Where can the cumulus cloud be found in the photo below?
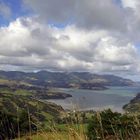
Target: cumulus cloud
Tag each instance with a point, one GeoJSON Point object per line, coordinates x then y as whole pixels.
{"type": "Point", "coordinates": [132, 4]}
{"type": "Point", "coordinates": [55, 11]}
{"type": "Point", "coordinates": [84, 13]}
{"type": "Point", "coordinates": [119, 17]}
{"type": "Point", "coordinates": [98, 36]}
{"type": "Point", "coordinates": [30, 45]}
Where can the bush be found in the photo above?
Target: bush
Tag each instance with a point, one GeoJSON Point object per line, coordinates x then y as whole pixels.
{"type": "Point", "coordinates": [8, 126]}
{"type": "Point", "coordinates": [11, 125]}
{"type": "Point", "coordinates": [112, 124]}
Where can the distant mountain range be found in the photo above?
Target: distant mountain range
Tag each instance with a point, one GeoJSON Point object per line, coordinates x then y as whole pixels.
{"type": "Point", "coordinates": [83, 80]}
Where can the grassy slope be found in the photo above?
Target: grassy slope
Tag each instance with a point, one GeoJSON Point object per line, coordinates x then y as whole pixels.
{"type": "Point", "coordinates": [13, 101]}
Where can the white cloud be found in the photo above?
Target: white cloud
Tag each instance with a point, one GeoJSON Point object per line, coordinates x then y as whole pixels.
{"type": "Point", "coordinates": [27, 44]}
{"type": "Point", "coordinates": [130, 3]}
{"type": "Point", "coordinates": [99, 36]}
{"type": "Point", "coordinates": [111, 50]}
{"type": "Point", "coordinates": [123, 19]}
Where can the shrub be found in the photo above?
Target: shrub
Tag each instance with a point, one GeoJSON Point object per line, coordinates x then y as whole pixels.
{"type": "Point", "coordinates": [108, 124]}
{"type": "Point", "coordinates": [11, 125]}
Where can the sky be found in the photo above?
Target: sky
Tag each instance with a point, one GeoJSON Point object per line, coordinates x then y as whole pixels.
{"type": "Point", "coordinates": [98, 36]}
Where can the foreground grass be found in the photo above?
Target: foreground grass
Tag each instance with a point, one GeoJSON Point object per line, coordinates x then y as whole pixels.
{"type": "Point", "coordinates": [53, 136]}
{"type": "Point", "coordinates": [61, 132]}
{"type": "Point", "coordinates": [106, 125]}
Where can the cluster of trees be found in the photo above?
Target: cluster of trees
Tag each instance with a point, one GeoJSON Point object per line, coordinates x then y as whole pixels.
{"type": "Point", "coordinates": [113, 125]}
{"type": "Point", "coordinates": [12, 126]}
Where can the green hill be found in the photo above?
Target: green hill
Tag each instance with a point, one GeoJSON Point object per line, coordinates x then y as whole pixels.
{"type": "Point", "coordinates": [134, 105]}
{"type": "Point", "coordinates": [21, 100]}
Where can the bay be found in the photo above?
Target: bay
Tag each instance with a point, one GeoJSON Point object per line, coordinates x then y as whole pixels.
{"type": "Point", "coordinates": [114, 98]}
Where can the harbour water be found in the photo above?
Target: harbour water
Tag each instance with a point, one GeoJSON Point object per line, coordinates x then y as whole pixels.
{"type": "Point", "coordinates": [114, 98]}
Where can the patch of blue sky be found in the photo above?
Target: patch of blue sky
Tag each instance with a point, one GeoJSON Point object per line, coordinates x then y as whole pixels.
{"type": "Point", "coordinates": [137, 45]}
{"type": "Point", "coordinates": [61, 25]}
{"type": "Point", "coordinates": [119, 2]}
{"type": "Point", "coordinates": [17, 10]}
{"type": "Point", "coordinates": [3, 21]}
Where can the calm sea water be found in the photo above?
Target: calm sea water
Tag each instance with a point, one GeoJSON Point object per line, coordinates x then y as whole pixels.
{"type": "Point", "coordinates": [114, 98]}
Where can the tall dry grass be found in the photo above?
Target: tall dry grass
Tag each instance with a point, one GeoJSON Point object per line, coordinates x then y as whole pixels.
{"type": "Point", "coordinates": [79, 132]}
{"type": "Point", "coordinates": [76, 130]}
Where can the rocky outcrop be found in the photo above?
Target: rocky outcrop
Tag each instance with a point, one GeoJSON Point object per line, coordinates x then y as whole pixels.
{"type": "Point", "coordinates": [133, 105]}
